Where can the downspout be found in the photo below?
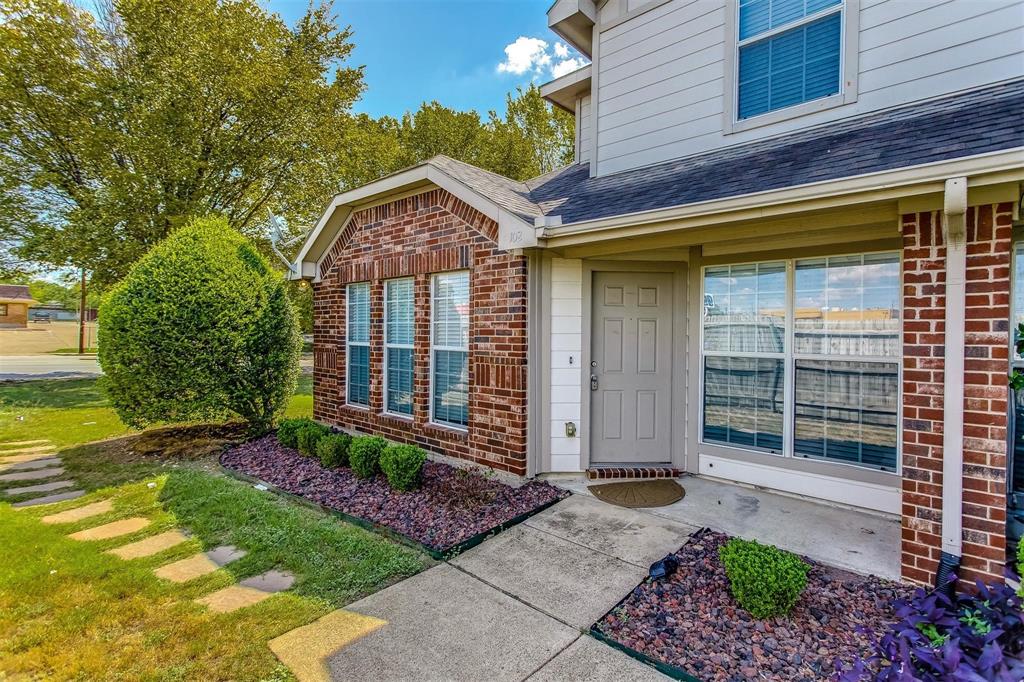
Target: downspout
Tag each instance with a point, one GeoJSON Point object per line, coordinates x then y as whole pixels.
{"type": "Point", "coordinates": [955, 227]}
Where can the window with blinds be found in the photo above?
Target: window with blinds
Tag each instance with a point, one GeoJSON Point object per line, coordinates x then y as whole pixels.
{"type": "Point", "coordinates": [399, 336]}
{"type": "Point", "coordinates": [449, 349]}
{"type": "Point", "coordinates": [357, 340]}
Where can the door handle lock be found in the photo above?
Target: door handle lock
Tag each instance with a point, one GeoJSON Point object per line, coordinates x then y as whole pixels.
{"type": "Point", "coordinates": [593, 382]}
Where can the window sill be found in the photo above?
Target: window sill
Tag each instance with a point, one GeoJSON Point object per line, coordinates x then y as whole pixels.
{"type": "Point", "coordinates": [445, 429]}
{"type": "Point", "coordinates": [402, 418]}
{"type": "Point", "coordinates": [730, 126]}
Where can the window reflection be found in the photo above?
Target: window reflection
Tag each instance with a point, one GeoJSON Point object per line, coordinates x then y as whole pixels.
{"type": "Point", "coordinates": [745, 308]}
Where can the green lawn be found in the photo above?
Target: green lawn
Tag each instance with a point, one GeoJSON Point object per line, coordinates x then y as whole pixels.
{"type": "Point", "coordinates": [74, 411]}
{"type": "Point", "coordinates": [70, 611]}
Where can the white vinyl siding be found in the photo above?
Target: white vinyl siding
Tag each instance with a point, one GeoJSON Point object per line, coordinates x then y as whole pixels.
{"type": "Point", "coordinates": [801, 358]}
{"type": "Point", "coordinates": [584, 133]}
{"type": "Point", "coordinates": [662, 75]}
{"type": "Point", "coordinates": [357, 339]}
{"type": "Point", "coordinates": [449, 349]}
{"type": "Point", "coordinates": [399, 336]}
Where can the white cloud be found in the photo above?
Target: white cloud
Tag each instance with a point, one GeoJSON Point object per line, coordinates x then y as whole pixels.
{"type": "Point", "coordinates": [525, 54]}
{"type": "Point", "coordinates": [559, 69]}
{"type": "Point", "coordinates": [536, 57]}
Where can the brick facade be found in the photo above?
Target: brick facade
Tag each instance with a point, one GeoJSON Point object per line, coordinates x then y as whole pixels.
{"type": "Point", "coordinates": [986, 365]}
{"type": "Point", "coordinates": [416, 237]}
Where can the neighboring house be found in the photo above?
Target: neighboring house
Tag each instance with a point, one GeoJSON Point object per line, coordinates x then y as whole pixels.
{"type": "Point", "coordinates": [14, 303]}
{"type": "Point", "coordinates": [784, 258]}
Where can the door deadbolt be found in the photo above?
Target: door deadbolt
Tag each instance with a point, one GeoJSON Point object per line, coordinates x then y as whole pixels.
{"type": "Point", "coordinates": [593, 382]}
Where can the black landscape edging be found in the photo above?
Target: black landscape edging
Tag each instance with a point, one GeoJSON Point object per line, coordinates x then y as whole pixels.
{"type": "Point", "coordinates": [373, 526]}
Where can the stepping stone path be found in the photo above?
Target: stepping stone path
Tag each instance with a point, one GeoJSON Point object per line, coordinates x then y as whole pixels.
{"type": "Point", "coordinates": [34, 460]}
{"type": "Point", "coordinates": [199, 565]}
{"type": "Point", "coordinates": [80, 513]}
{"type": "Point", "coordinates": [250, 591]}
{"type": "Point", "coordinates": [150, 546]}
{"type": "Point", "coordinates": [111, 530]}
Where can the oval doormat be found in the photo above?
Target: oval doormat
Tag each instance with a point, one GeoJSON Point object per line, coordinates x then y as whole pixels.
{"type": "Point", "coordinates": [655, 493]}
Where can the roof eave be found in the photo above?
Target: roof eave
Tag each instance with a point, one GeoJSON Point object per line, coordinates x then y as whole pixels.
{"type": "Point", "coordinates": [564, 91]}
{"type": "Point", "coordinates": [983, 169]}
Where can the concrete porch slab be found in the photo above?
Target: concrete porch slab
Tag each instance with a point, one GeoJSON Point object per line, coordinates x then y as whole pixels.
{"type": "Point", "coordinates": [446, 625]}
{"type": "Point", "coordinates": [626, 534]}
{"type": "Point", "coordinates": [587, 660]}
{"type": "Point", "coordinates": [566, 580]}
{"type": "Point", "coordinates": [858, 541]}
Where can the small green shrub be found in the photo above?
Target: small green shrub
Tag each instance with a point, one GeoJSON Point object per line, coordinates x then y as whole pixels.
{"type": "Point", "coordinates": [333, 450]}
{"type": "Point", "coordinates": [364, 455]}
{"type": "Point", "coordinates": [765, 580]}
{"type": "Point", "coordinates": [288, 431]}
{"type": "Point", "coordinates": [402, 464]}
{"type": "Point", "coordinates": [309, 436]}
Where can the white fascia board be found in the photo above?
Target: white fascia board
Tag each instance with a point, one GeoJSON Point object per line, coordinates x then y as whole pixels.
{"type": "Point", "coordinates": [385, 185]}
{"type": "Point", "coordinates": [513, 231]}
{"type": "Point", "coordinates": [1001, 166]}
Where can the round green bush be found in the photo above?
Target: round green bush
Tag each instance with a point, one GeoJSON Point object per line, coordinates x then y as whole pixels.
{"type": "Point", "coordinates": [288, 431]}
{"type": "Point", "coordinates": [309, 436]}
{"type": "Point", "coordinates": [333, 450]}
{"type": "Point", "coordinates": [201, 329]}
{"type": "Point", "coordinates": [765, 580]}
{"type": "Point", "coordinates": [402, 464]}
{"type": "Point", "coordinates": [364, 455]}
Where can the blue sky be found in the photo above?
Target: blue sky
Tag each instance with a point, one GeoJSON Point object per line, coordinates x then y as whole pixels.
{"type": "Point", "coordinates": [453, 51]}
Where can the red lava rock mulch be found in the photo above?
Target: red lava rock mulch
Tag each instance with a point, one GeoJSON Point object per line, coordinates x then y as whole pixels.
{"type": "Point", "coordinates": [690, 621]}
{"type": "Point", "coordinates": [449, 507]}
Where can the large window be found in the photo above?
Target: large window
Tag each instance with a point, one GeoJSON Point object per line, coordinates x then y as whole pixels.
{"type": "Point", "coordinates": [399, 333]}
{"type": "Point", "coordinates": [813, 344]}
{"type": "Point", "coordinates": [790, 52]}
{"type": "Point", "coordinates": [358, 344]}
{"type": "Point", "coordinates": [449, 348]}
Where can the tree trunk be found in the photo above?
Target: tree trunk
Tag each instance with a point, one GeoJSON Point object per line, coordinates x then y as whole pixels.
{"type": "Point", "coordinates": [81, 318]}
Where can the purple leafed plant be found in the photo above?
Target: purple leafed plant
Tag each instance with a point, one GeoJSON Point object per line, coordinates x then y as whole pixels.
{"type": "Point", "coordinates": [976, 638]}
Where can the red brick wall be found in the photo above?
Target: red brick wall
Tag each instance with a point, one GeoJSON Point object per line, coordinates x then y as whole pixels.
{"type": "Point", "coordinates": [986, 366]}
{"type": "Point", "coordinates": [418, 236]}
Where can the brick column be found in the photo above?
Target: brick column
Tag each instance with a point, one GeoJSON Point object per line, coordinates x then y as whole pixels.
{"type": "Point", "coordinates": [985, 410]}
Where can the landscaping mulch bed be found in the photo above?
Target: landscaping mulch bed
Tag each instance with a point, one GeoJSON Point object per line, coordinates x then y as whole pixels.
{"type": "Point", "coordinates": [450, 507]}
{"type": "Point", "coordinates": [691, 622]}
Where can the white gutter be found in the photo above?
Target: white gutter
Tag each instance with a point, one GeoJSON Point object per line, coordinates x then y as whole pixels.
{"type": "Point", "coordinates": [954, 227]}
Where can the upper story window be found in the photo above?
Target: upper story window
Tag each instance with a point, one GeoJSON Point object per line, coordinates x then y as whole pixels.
{"type": "Point", "coordinates": [790, 52]}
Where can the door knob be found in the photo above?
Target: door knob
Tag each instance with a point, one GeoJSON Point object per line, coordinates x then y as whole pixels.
{"type": "Point", "coordinates": [593, 382]}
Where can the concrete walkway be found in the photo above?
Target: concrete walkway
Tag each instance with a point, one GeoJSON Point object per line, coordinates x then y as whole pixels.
{"type": "Point", "coordinates": [858, 541]}
{"type": "Point", "coordinates": [512, 608]}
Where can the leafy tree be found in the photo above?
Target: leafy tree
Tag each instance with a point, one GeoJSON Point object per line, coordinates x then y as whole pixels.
{"type": "Point", "coordinates": [118, 127]}
{"type": "Point", "coordinates": [533, 138]}
{"type": "Point", "coordinates": [201, 328]}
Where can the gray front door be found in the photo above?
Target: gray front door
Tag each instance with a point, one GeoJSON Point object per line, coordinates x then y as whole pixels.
{"type": "Point", "coordinates": [631, 368]}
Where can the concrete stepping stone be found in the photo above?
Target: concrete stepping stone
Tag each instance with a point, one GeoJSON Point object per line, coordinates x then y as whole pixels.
{"type": "Point", "coordinates": [199, 565]}
{"type": "Point", "coordinates": [305, 649]}
{"type": "Point", "coordinates": [35, 463]}
{"type": "Point", "coordinates": [79, 513]}
{"type": "Point", "coordinates": [49, 499]}
{"type": "Point", "coordinates": [40, 488]}
{"type": "Point", "coordinates": [13, 455]}
{"type": "Point", "coordinates": [111, 530]}
{"type": "Point", "coordinates": [149, 546]}
{"type": "Point", "coordinates": [18, 443]}
{"type": "Point", "coordinates": [248, 592]}
{"type": "Point", "coordinates": [32, 475]}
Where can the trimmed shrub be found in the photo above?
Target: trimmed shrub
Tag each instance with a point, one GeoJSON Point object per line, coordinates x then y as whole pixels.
{"type": "Point", "coordinates": [765, 580]}
{"type": "Point", "coordinates": [288, 431]}
{"type": "Point", "coordinates": [364, 455]}
{"type": "Point", "coordinates": [309, 436]}
{"type": "Point", "coordinates": [201, 329]}
{"type": "Point", "coordinates": [333, 450]}
{"type": "Point", "coordinates": [402, 464]}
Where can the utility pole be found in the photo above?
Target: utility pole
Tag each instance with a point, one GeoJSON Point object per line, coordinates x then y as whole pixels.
{"type": "Point", "coordinates": [81, 318]}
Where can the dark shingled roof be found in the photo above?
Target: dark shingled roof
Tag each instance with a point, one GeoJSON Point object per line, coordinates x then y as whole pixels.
{"type": "Point", "coordinates": [984, 120]}
{"type": "Point", "coordinates": [14, 292]}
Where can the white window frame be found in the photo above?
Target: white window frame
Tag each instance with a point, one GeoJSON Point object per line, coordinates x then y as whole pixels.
{"type": "Point", "coordinates": [789, 365]}
{"type": "Point", "coordinates": [349, 343]}
{"type": "Point", "coordinates": [434, 347]}
{"type": "Point", "coordinates": [397, 346]}
{"type": "Point", "coordinates": [848, 69]}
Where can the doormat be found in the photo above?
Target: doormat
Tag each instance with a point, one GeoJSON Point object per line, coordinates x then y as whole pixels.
{"type": "Point", "coordinates": [656, 493]}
